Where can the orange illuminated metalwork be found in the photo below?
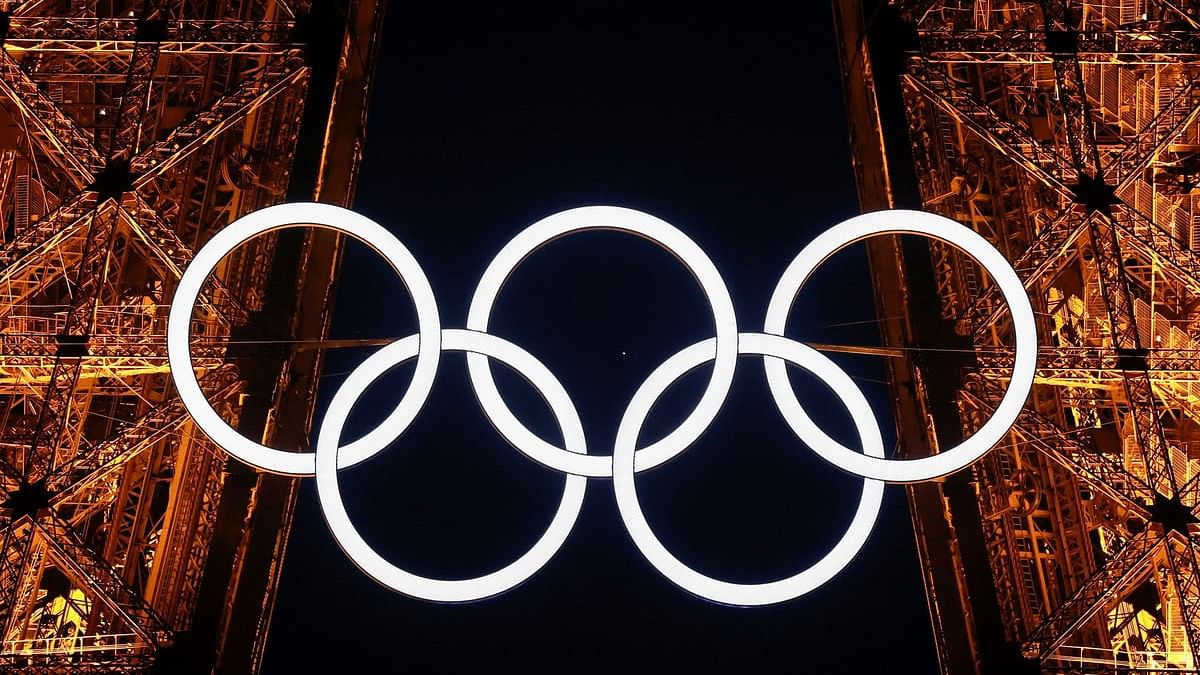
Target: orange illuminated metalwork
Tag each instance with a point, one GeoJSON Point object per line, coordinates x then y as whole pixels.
{"type": "Point", "coordinates": [129, 134]}
{"type": "Point", "coordinates": [1065, 132]}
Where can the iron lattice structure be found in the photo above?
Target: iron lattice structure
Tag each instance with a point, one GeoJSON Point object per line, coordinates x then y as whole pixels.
{"type": "Point", "coordinates": [1066, 133]}
{"type": "Point", "coordinates": [129, 133]}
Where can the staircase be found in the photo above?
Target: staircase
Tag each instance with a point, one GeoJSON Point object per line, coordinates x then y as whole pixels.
{"type": "Point", "coordinates": [1181, 110]}
{"type": "Point", "coordinates": [981, 118]}
{"type": "Point", "coordinates": [205, 125]}
{"type": "Point", "coordinates": [53, 130]}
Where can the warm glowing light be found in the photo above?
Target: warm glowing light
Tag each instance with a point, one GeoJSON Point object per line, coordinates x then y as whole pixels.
{"type": "Point", "coordinates": [573, 460]}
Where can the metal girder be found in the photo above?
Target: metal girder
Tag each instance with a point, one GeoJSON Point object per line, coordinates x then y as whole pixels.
{"type": "Point", "coordinates": [125, 336]}
{"type": "Point", "coordinates": [26, 272]}
{"type": "Point", "coordinates": [1139, 393]}
{"type": "Point", "coordinates": [56, 134]}
{"type": "Point", "coordinates": [164, 419]}
{"type": "Point", "coordinates": [58, 414]}
{"type": "Point", "coordinates": [1017, 144]}
{"type": "Point", "coordinates": [1078, 365]}
{"type": "Point", "coordinates": [1185, 570]}
{"type": "Point", "coordinates": [53, 231]}
{"type": "Point", "coordinates": [1149, 143]}
{"type": "Point", "coordinates": [1076, 115]}
{"type": "Point", "coordinates": [107, 252]}
{"type": "Point", "coordinates": [1146, 237]}
{"type": "Point", "coordinates": [1044, 255]}
{"type": "Point", "coordinates": [994, 87]}
{"type": "Point", "coordinates": [21, 281]}
{"type": "Point", "coordinates": [1100, 471]}
{"type": "Point", "coordinates": [61, 409]}
{"type": "Point", "coordinates": [46, 254]}
{"type": "Point", "coordinates": [915, 10]}
{"type": "Point", "coordinates": [1150, 47]}
{"type": "Point", "coordinates": [17, 542]}
{"type": "Point", "coordinates": [38, 664]}
{"type": "Point", "coordinates": [26, 586]}
{"type": "Point", "coordinates": [1048, 167]}
{"type": "Point", "coordinates": [119, 35]}
{"type": "Point", "coordinates": [1183, 10]}
{"type": "Point", "coordinates": [29, 7]}
{"type": "Point", "coordinates": [171, 255]}
{"type": "Point", "coordinates": [206, 125]}
{"type": "Point", "coordinates": [1135, 229]}
{"type": "Point", "coordinates": [105, 350]}
{"type": "Point", "coordinates": [1117, 575]}
{"type": "Point", "coordinates": [36, 350]}
{"type": "Point", "coordinates": [126, 137]}
{"type": "Point", "coordinates": [166, 248]}
{"type": "Point", "coordinates": [1079, 127]}
{"type": "Point", "coordinates": [91, 571]}
{"type": "Point", "coordinates": [77, 478]}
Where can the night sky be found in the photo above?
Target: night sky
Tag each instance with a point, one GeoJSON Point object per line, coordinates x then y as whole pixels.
{"type": "Point", "coordinates": [727, 122]}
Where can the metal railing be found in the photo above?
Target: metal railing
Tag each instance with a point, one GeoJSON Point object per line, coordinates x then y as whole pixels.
{"type": "Point", "coordinates": [73, 644]}
{"type": "Point", "coordinates": [1154, 661]}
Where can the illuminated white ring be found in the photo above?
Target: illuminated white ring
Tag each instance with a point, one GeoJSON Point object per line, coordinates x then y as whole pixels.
{"type": "Point", "coordinates": [994, 262]}
{"type": "Point", "coordinates": [366, 558]}
{"type": "Point", "coordinates": [625, 462]}
{"type": "Point", "coordinates": [660, 232]}
{"type": "Point", "coordinates": [279, 217]}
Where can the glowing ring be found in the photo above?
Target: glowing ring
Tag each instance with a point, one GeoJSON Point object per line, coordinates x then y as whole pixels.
{"type": "Point", "coordinates": [276, 218]}
{"type": "Point", "coordinates": [660, 232]}
{"type": "Point", "coordinates": [625, 466]}
{"type": "Point", "coordinates": [366, 558]}
{"type": "Point", "coordinates": [905, 222]}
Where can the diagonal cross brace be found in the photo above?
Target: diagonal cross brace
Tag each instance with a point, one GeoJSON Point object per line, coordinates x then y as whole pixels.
{"type": "Point", "coordinates": [1123, 570]}
{"type": "Point", "coordinates": [1102, 475]}
{"type": "Point", "coordinates": [91, 571]}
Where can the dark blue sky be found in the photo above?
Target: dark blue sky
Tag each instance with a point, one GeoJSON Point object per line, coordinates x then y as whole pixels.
{"type": "Point", "coordinates": [727, 122]}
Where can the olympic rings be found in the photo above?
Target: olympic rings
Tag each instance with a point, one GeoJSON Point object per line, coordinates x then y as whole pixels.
{"type": "Point", "coordinates": [573, 460]}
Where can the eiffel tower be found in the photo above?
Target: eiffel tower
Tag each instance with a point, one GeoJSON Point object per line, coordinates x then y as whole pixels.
{"type": "Point", "coordinates": [130, 132]}
{"type": "Point", "coordinates": [1065, 132]}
